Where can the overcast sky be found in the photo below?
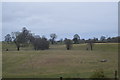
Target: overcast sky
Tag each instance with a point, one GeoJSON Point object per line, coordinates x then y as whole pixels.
{"type": "Point", "coordinates": [87, 19]}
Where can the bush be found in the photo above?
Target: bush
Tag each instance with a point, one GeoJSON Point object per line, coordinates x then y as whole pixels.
{"type": "Point", "coordinates": [98, 74]}
{"type": "Point", "coordinates": [41, 44]}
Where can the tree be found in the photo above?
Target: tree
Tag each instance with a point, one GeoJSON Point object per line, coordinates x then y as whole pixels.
{"type": "Point", "coordinates": [76, 39]}
{"type": "Point", "coordinates": [68, 43]}
{"type": "Point", "coordinates": [82, 41]}
{"type": "Point", "coordinates": [40, 43]}
{"type": "Point", "coordinates": [53, 37]}
{"type": "Point", "coordinates": [14, 34]}
{"type": "Point", "coordinates": [8, 38]}
{"type": "Point", "coordinates": [21, 38]}
{"type": "Point", "coordinates": [61, 41]}
{"type": "Point", "coordinates": [102, 38]}
{"type": "Point", "coordinates": [89, 45]}
{"type": "Point", "coordinates": [109, 39]}
{"type": "Point", "coordinates": [95, 40]}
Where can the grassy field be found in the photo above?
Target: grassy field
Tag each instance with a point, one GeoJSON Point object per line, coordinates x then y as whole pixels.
{"type": "Point", "coordinates": [57, 61]}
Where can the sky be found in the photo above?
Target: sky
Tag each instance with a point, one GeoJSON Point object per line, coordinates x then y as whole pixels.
{"type": "Point", "coordinates": [87, 19]}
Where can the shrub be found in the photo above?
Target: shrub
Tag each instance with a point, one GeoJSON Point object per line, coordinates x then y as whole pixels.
{"type": "Point", "coordinates": [98, 74]}
{"type": "Point", "coordinates": [41, 44]}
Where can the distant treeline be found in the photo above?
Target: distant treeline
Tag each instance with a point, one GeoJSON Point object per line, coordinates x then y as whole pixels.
{"type": "Point", "coordinates": [41, 43]}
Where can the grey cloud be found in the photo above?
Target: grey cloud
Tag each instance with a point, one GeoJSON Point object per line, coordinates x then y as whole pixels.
{"type": "Point", "coordinates": [61, 18]}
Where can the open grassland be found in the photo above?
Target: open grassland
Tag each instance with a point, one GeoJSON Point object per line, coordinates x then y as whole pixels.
{"type": "Point", "coordinates": [57, 61]}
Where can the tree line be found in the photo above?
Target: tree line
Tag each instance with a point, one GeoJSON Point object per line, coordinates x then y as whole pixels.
{"type": "Point", "coordinates": [42, 43]}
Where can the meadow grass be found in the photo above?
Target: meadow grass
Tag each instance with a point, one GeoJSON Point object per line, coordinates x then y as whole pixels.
{"type": "Point", "coordinates": [57, 61]}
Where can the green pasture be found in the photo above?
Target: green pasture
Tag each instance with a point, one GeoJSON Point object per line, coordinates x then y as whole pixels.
{"type": "Point", "coordinates": [57, 61]}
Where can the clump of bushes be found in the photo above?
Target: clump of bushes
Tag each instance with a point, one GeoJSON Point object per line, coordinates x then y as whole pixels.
{"type": "Point", "coordinates": [98, 74]}
{"type": "Point", "coordinates": [41, 44]}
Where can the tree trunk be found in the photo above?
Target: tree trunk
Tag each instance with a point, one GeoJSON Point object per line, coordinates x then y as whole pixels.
{"type": "Point", "coordinates": [68, 47]}
{"type": "Point", "coordinates": [52, 42]}
{"type": "Point", "coordinates": [18, 48]}
{"type": "Point", "coordinates": [91, 46]}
